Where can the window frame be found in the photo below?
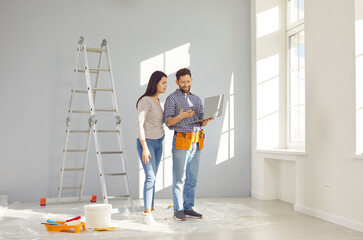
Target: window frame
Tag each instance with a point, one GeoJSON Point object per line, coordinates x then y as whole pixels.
{"type": "Point", "coordinates": [291, 30]}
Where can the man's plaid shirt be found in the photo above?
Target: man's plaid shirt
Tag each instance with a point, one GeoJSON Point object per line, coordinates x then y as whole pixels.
{"type": "Point", "coordinates": [177, 101]}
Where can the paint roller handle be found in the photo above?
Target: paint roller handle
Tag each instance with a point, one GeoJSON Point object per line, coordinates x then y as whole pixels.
{"type": "Point", "coordinates": [72, 219]}
{"type": "Point", "coordinates": [52, 222]}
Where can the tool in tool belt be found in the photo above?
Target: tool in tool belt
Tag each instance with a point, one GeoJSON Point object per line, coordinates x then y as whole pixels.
{"type": "Point", "coordinates": [184, 140]}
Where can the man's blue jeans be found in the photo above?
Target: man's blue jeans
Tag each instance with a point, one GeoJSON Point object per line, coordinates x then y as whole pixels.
{"type": "Point", "coordinates": [185, 167]}
{"type": "Point", "coordinates": [156, 149]}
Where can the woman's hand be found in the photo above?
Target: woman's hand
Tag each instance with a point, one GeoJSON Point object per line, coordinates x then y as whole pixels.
{"type": "Point", "coordinates": [146, 155]}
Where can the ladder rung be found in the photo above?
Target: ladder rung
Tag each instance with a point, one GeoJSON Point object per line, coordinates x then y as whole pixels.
{"type": "Point", "coordinates": [73, 169]}
{"type": "Point", "coordinates": [70, 188]}
{"type": "Point", "coordinates": [80, 91]}
{"type": "Point", "coordinates": [99, 69]}
{"type": "Point", "coordinates": [107, 131]}
{"type": "Point", "coordinates": [78, 131]}
{"type": "Point", "coordinates": [122, 196]}
{"type": "Point", "coordinates": [96, 50]}
{"type": "Point", "coordinates": [93, 71]}
{"type": "Point", "coordinates": [114, 174]}
{"type": "Point", "coordinates": [94, 89]}
{"type": "Point", "coordinates": [112, 152]}
{"type": "Point", "coordinates": [76, 150]}
{"type": "Point", "coordinates": [102, 89]}
{"type": "Point", "coordinates": [105, 110]}
{"type": "Point", "coordinates": [80, 111]}
{"type": "Point", "coordinates": [87, 131]}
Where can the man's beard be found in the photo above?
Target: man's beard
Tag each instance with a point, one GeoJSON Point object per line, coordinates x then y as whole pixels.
{"type": "Point", "coordinates": [185, 91]}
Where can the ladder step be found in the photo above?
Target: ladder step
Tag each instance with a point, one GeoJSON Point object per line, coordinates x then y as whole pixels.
{"type": "Point", "coordinates": [70, 188]}
{"type": "Point", "coordinates": [105, 110]}
{"type": "Point", "coordinates": [114, 174]}
{"type": "Point", "coordinates": [94, 89]}
{"type": "Point", "coordinates": [87, 131]}
{"type": "Point", "coordinates": [108, 131]}
{"type": "Point", "coordinates": [73, 169]}
{"type": "Point", "coordinates": [99, 69]}
{"type": "Point", "coordinates": [96, 50]}
{"type": "Point", "coordinates": [112, 152]}
{"type": "Point", "coordinates": [80, 91]}
{"type": "Point", "coordinates": [76, 150]}
{"type": "Point", "coordinates": [122, 196]}
{"type": "Point", "coordinates": [80, 111]}
{"type": "Point", "coordinates": [102, 89]}
{"type": "Point", "coordinates": [94, 70]}
{"type": "Point", "coordinates": [78, 131]}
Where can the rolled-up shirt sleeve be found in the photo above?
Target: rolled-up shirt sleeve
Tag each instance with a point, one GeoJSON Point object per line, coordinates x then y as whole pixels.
{"type": "Point", "coordinates": [169, 110]}
{"type": "Point", "coordinates": [143, 107]}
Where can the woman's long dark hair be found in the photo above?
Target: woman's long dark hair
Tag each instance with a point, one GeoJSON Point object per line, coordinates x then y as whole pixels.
{"type": "Point", "coordinates": [152, 85]}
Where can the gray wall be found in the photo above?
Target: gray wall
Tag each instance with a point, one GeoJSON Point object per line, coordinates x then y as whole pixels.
{"type": "Point", "coordinates": [38, 53]}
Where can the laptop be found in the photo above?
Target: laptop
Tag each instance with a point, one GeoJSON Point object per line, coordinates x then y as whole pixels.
{"type": "Point", "coordinates": [213, 107]}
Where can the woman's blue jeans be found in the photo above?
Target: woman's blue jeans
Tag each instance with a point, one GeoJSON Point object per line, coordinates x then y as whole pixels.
{"type": "Point", "coordinates": [156, 149]}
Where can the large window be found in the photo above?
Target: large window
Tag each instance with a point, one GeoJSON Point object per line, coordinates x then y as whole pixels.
{"type": "Point", "coordinates": [280, 75]}
{"type": "Point", "coordinates": [296, 74]}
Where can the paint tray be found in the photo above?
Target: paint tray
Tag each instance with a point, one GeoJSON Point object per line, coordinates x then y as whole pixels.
{"type": "Point", "coordinates": [65, 228]}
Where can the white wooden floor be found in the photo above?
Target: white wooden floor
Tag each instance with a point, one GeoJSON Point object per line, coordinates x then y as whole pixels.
{"type": "Point", "coordinates": [224, 218]}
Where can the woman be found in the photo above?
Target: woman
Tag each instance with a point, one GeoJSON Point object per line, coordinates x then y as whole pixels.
{"type": "Point", "coordinates": [150, 137]}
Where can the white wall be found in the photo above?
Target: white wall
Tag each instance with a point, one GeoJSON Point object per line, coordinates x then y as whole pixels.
{"type": "Point", "coordinates": [38, 53]}
{"type": "Point", "coordinates": [328, 178]}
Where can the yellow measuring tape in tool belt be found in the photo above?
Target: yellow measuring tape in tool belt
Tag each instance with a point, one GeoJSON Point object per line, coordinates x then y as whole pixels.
{"type": "Point", "coordinates": [184, 140]}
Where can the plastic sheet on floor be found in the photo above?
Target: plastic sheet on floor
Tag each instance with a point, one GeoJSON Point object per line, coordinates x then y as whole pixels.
{"type": "Point", "coordinates": [23, 220]}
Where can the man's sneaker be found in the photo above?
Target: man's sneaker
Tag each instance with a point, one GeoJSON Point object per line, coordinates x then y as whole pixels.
{"type": "Point", "coordinates": [180, 216]}
{"type": "Point", "coordinates": [149, 219]}
{"type": "Point", "coordinates": [192, 214]}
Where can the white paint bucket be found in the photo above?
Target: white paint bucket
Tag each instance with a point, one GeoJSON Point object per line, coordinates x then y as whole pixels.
{"type": "Point", "coordinates": [98, 215]}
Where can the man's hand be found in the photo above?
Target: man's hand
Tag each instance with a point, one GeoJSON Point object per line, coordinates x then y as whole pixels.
{"type": "Point", "coordinates": [181, 116]}
{"type": "Point", "coordinates": [186, 114]}
{"type": "Point", "coordinates": [205, 122]}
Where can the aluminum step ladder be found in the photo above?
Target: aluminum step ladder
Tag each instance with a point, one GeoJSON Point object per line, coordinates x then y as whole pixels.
{"type": "Point", "coordinates": [85, 70]}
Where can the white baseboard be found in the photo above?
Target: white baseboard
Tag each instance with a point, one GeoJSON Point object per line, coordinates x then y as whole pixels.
{"type": "Point", "coordinates": [261, 196]}
{"type": "Point", "coordinates": [330, 218]}
{"type": "Point", "coordinates": [257, 195]}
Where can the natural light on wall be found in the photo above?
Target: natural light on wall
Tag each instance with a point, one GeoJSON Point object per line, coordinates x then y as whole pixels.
{"type": "Point", "coordinates": [177, 58]}
{"type": "Point", "coordinates": [226, 142]}
{"type": "Point", "coordinates": [267, 22]}
{"type": "Point", "coordinates": [148, 66]}
{"type": "Point", "coordinates": [169, 62]}
{"type": "Point", "coordinates": [268, 102]}
{"type": "Point", "coordinates": [359, 74]}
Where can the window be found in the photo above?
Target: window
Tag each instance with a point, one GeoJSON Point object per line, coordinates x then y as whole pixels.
{"type": "Point", "coordinates": [295, 12]}
{"type": "Point", "coordinates": [280, 75]}
{"type": "Point", "coordinates": [296, 74]}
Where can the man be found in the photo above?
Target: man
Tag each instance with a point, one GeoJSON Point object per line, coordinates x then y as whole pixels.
{"type": "Point", "coordinates": [181, 109]}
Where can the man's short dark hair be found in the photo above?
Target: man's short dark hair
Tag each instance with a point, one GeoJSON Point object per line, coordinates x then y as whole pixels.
{"type": "Point", "coordinates": [183, 72]}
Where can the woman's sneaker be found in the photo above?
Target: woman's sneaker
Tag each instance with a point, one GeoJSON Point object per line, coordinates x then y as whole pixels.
{"type": "Point", "coordinates": [192, 214]}
{"type": "Point", "coordinates": [149, 219]}
{"type": "Point", "coordinates": [180, 216]}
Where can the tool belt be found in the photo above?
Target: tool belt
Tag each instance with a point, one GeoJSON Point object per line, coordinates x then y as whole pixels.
{"type": "Point", "coordinates": [184, 140]}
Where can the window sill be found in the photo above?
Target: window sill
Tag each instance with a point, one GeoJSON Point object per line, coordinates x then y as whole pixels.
{"type": "Point", "coordinates": [283, 151]}
{"type": "Point", "coordinates": [357, 156]}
